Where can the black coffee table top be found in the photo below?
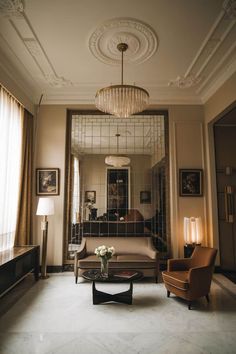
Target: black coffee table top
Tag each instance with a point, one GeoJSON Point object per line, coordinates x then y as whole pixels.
{"type": "Point", "coordinates": [118, 276]}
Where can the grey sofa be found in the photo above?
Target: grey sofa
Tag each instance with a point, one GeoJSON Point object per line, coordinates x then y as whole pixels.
{"type": "Point", "coordinates": [130, 253]}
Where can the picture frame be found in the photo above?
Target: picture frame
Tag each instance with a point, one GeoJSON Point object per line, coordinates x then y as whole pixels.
{"type": "Point", "coordinates": [47, 181]}
{"type": "Point", "coordinates": [145, 197]}
{"type": "Point", "coordinates": [190, 182]}
{"type": "Point", "coordinates": [90, 197]}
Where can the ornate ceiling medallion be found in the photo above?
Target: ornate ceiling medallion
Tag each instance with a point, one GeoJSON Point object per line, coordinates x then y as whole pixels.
{"type": "Point", "coordinates": [141, 40]}
{"type": "Point", "coordinates": [10, 8]}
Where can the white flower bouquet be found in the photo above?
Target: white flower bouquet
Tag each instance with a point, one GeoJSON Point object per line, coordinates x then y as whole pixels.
{"type": "Point", "coordinates": [104, 252]}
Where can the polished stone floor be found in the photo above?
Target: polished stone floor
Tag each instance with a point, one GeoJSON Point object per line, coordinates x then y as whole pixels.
{"type": "Point", "coordinates": [57, 316]}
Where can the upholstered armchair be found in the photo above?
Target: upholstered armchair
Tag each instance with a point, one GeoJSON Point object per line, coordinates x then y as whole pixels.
{"type": "Point", "coordinates": [190, 278]}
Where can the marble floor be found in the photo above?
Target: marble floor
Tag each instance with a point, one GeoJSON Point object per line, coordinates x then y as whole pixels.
{"type": "Point", "coordinates": [57, 316]}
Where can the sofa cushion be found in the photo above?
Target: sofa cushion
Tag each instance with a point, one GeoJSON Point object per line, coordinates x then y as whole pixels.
{"type": "Point", "coordinates": [177, 279]}
{"type": "Point", "coordinates": [122, 245]}
{"type": "Point", "coordinates": [125, 261]}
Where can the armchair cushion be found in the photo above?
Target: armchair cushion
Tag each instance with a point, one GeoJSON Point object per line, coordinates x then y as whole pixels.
{"type": "Point", "coordinates": [177, 279]}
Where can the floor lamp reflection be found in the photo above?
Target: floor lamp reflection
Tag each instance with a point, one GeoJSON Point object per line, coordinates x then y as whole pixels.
{"type": "Point", "coordinates": [45, 208]}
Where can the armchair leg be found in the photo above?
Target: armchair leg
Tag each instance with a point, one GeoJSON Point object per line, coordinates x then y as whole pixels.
{"type": "Point", "coordinates": [207, 298]}
{"type": "Point", "coordinates": [168, 293]}
{"type": "Point", "coordinates": [189, 305]}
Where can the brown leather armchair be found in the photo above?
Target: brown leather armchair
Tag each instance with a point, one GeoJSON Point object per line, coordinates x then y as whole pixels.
{"type": "Point", "coordinates": [190, 278]}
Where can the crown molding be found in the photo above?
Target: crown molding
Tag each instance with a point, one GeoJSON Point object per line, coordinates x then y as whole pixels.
{"type": "Point", "coordinates": [10, 8]}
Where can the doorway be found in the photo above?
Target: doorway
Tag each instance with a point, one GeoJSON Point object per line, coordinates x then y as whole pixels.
{"type": "Point", "coordinates": [225, 158]}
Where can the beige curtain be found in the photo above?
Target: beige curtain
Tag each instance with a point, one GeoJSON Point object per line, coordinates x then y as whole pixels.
{"type": "Point", "coordinates": [24, 217]}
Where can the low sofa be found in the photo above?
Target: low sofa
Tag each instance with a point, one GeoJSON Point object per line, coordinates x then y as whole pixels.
{"type": "Point", "coordinates": [130, 253]}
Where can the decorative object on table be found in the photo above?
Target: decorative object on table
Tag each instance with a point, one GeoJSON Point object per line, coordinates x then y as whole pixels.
{"type": "Point", "coordinates": [104, 253]}
{"type": "Point", "coordinates": [145, 197]}
{"type": "Point", "coordinates": [127, 274]}
{"type": "Point", "coordinates": [47, 181]}
{"type": "Point", "coordinates": [45, 208]}
{"type": "Point", "coordinates": [190, 182]}
{"type": "Point", "coordinates": [122, 100]}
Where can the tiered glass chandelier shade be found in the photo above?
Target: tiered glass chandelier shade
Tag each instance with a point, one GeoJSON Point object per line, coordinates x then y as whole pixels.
{"type": "Point", "coordinates": [122, 100]}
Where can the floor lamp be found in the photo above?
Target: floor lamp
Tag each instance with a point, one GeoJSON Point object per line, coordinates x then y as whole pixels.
{"type": "Point", "coordinates": [45, 208]}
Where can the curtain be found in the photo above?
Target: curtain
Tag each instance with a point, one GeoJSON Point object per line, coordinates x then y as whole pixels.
{"type": "Point", "coordinates": [76, 191]}
{"type": "Point", "coordinates": [11, 127]}
{"type": "Point", "coordinates": [24, 216]}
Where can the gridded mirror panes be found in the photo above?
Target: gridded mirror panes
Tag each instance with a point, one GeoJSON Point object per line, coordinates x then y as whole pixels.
{"type": "Point", "coordinates": [116, 200]}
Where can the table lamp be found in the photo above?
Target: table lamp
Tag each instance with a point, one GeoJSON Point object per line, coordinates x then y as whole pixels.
{"type": "Point", "coordinates": [45, 208]}
{"type": "Point", "coordinates": [193, 230]}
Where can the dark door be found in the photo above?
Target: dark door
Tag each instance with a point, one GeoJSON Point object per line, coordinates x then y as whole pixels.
{"type": "Point", "coordinates": [225, 151]}
{"type": "Point", "coordinates": [117, 193]}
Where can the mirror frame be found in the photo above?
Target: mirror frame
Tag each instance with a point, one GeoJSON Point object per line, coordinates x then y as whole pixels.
{"type": "Point", "coordinates": [68, 263]}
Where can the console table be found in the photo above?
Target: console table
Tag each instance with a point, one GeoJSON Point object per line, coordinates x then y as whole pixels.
{"type": "Point", "coordinates": [15, 264]}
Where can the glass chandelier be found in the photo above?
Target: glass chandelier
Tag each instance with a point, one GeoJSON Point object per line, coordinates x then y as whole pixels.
{"type": "Point", "coordinates": [115, 160]}
{"type": "Point", "coordinates": [122, 100]}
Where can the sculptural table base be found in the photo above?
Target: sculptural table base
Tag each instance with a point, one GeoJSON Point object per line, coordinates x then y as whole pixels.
{"type": "Point", "coordinates": [125, 297]}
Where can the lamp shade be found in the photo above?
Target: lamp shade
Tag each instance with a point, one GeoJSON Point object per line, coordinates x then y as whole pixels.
{"type": "Point", "coordinates": [45, 206]}
{"type": "Point", "coordinates": [192, 230]}
{"type": "Point", "coordinates": [117, 161]}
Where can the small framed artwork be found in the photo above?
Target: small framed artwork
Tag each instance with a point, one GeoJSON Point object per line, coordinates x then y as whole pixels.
{"type": "Point", "coordinates": [47, 181]}
{"type": "Point", "coordinates": [145, 197]}
{"type": "Point", "coordinates": [190, 182]}
{"type": "Point", "coordinates": [90, 197]}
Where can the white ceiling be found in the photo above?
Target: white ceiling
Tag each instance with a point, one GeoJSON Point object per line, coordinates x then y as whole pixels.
{"type": "Point", "coordinates": [44, 47]}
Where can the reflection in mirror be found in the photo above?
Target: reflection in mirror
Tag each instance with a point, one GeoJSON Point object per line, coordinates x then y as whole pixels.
{"type": "Point", "coordinates": [127, 195]}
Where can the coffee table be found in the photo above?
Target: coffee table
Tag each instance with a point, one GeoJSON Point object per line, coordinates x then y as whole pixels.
{"type": "Point", "coordinates": [125, 297]}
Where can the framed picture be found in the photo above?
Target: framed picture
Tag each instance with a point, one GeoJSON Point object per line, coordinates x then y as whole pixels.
{"type": "Point", "coordinates": [47, 181]}
{"type": "Point", "coordinates": [90, 196]}
{"type": "Point", "coordinates": [145, 197]}
{"type": "Point", "coordinates": [190, 182]}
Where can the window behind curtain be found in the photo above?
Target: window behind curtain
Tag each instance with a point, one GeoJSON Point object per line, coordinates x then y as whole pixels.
{"type": "Point", "coordinates": [11, 128]}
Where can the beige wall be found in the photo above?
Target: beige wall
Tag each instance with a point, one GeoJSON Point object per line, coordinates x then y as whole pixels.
{"type": "Point", "coordinates": [186, 150]}
{"type": "Point", "coordinates": [222, 99]}
{"type": "Point", "coordinates": [186, 143]}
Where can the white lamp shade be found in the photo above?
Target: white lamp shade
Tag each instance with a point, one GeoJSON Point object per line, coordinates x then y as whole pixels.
{"type": "Point", "coordinates": [192, 230]}
{"type": "Point", "coordinates": [117, 161]}
{"type": "Point", "coordinates": [45, 206]}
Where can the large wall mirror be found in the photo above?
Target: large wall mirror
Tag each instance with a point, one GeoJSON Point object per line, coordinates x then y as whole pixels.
{"type": "Point", "coordinates": [116, 178]}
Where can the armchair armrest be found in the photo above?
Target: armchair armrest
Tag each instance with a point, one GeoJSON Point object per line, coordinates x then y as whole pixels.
{"type": "Point", "coordinates": [151, 251]}
{"type": "Point", "coordinates": [80, 253]}
{"type": "Point", "coordinates": [200, 281]}
{"type": "Point", "coordinates": [200, 274]}
{"type": "Point", "coordinates": [178, 264]}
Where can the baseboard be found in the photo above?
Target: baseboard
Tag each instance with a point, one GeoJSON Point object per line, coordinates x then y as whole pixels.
{"type": "Point", "coordinates": [54, 269]}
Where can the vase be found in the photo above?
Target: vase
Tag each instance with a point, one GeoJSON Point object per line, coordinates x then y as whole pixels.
{"type": "Point", "coordinates": [104, 267]}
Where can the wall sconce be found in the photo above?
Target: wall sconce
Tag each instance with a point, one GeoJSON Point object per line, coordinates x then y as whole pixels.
{"type": "Point", "coordinates": [45, 208]}
{"type": "Point", "coordinates": [193, 230]}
